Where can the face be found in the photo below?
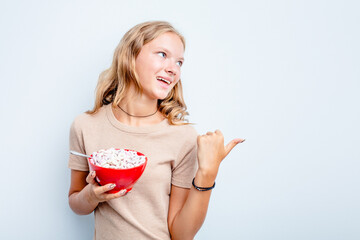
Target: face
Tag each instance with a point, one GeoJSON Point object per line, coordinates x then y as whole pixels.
{"type": "Point", "coordinates": [158, 65]}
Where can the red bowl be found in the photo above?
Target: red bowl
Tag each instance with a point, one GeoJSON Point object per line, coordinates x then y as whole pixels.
{"type": "Point", "coordinates": [122, 178]}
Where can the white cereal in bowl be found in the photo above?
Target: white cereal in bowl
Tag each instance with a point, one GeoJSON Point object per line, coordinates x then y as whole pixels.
{"type": "Point", "coordinates": [117, 158]}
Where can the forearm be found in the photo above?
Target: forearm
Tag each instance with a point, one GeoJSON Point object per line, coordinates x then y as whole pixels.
{"type": "Point", "coordinates": [211, 151]}
{"type": "Point", "coordinates": [80, 202]}
{"type": "Point", "coordinates": [192, 215]}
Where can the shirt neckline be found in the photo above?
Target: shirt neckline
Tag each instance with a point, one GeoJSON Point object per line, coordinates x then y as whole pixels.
{"type": "Point", "coordinates": [133, 129]}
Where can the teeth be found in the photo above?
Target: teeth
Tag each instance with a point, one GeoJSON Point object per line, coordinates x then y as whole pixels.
{"type": "Point", "coordinates": [159, 78]}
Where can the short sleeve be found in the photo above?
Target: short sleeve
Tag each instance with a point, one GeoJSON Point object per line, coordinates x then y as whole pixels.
{"type": "Point", "coordinates": [76, 143]}
{"type": "Point", "coordinates": [185, 170]}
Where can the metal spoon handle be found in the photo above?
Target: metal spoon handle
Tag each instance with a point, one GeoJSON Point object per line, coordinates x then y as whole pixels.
{"type": "Point", "coordinates": [79, 154]}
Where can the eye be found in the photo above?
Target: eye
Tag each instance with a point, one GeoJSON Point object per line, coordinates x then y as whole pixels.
{"type": "Point", "coordinates": [161, 54]}
{"type": "Point", "coordinates": [180, 63]}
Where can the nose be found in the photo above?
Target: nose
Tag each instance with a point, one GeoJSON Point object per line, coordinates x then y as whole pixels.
{"type": "Point", "coordinates": [171, 69]}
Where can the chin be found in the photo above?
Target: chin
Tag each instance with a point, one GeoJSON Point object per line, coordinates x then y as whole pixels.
{"type": "Point", "coordinates": [162, 95]}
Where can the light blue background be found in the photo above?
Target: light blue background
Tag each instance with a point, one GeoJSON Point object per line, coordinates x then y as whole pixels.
{"type": "Point", "coordinates": [283, 74]}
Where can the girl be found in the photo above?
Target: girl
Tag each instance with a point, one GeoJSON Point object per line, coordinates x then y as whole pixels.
{"type": "Point", "coordinates": [139, 105]}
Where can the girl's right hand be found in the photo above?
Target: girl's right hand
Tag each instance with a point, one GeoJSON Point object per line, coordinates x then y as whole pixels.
{"type": "Point", "coordinates": [97, 193]}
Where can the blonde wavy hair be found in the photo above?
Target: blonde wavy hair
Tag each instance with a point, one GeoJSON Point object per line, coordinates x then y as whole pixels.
{"type": "Point", "coordinates": [115, 81]}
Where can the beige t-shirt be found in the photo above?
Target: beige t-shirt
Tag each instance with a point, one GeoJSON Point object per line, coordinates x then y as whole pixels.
{"type": "Point", "coordinates": [172, 154]}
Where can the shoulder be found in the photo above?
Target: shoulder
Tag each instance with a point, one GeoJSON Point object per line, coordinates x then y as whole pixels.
{"type": "Point", "coordinates": [186, 133]}
{"type": "Point", "coordinates": [185, 128]}
{"type": "Point", "coordinates": [85, 120]}
{"type": "Point", "coordinates": [82, 120]}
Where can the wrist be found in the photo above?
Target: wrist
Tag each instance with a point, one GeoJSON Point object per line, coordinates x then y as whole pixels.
{"type": "Point", "coordinates": [90, 196]}
{"type": "Point", "coordinates": [202, 189]}
{"type": "Point", "coordinates": [205, 178]}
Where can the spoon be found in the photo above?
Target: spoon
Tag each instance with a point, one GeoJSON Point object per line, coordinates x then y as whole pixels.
{"type": "Point", "coordinates": [79, 154]}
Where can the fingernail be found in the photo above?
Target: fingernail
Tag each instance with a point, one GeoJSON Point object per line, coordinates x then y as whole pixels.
{"type": "Point", "coordinates": [122, 192]}
{"type": "Point", "coordinates": [112, 186]}
{"type": "Point", "coordinates": [239, 140]}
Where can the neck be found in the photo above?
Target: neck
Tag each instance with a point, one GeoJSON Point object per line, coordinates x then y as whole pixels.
{"type": "Point", "coordinates": [137, 116]}
{"type": "Point", "coordinates": [138, 112]}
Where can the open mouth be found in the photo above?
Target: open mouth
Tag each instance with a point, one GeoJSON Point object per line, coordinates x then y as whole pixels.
{"type": "Point", "coordinates": [163, 80]}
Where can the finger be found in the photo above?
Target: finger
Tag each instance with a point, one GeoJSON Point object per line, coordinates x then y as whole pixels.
{"type": "Point", "coordinates": [115, 195]}
{"type": "Point", "coordinates": [232, 144]}
{"type": "Point", "coordinates": [217, 131]}
{"type": "Point", "coordinates": [122, 193]}
{"type": "Point", "coordinates": [219, 135]}
{"type": "Point", "coordinates": [209, 133]}
{"type": "Point", "coordinates": [91, 177]}
{"type": "Point", "coordinates": [103, 189]}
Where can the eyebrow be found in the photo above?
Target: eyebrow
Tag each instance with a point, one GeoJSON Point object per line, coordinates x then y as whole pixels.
{"type": "Point", "coordinates": [166, 50]}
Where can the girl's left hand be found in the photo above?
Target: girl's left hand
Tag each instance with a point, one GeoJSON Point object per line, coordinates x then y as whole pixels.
{"type": "Point", "coordinates": [211, 151]}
